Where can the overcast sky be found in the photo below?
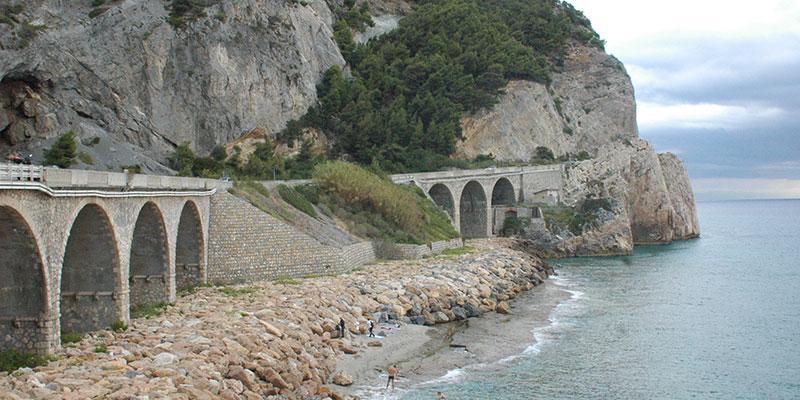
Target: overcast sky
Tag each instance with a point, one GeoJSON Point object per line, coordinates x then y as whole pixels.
{"type": "Point", "coordinates": [718, 83]}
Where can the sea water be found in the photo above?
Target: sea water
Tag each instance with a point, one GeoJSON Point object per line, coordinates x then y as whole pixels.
{"type": "Point", "coordinates": [712, 318]}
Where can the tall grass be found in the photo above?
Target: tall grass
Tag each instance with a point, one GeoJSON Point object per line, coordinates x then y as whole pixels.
{"type": "Point", "coordinates": [379, 202]}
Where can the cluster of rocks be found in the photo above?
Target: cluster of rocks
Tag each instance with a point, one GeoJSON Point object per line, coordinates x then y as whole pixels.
{"type": "Point", "coordinates": [274, 339]}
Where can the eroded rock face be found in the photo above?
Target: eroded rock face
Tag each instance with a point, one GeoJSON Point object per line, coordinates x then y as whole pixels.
{"type": "Point", "coordinates": [590, 103]}
{"type": "Point", "coordinates": [129, 76]}
{"type": "Point", "coordinates": [652, 191]}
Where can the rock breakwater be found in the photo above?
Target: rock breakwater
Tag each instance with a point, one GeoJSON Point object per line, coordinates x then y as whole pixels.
{"type": "Point", "coordinates": [275, 338]}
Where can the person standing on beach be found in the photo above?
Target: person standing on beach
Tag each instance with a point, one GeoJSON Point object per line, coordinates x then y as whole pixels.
{"type": "Point", "coordinates": [341, 328]}
{"type": "Point", "coordinates": [392, 374]}
{"type": "Point", "coordinates": [371, 326]}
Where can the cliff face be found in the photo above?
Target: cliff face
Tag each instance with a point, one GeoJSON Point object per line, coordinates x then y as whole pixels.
{"type": "Point", "coordinates": [141, 85]}
{"type": "Point", "coordinates": [651, 192]}
{"type": "Point", "coordinates": [589, 104]}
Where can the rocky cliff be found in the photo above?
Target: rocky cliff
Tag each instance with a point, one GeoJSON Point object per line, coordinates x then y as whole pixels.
{"type": "Point", "coordinates": [590, 106]}
{"type": "Point", "coordinates": [590, 103]}
{"type": "Point", "coordinates": [142, 85]}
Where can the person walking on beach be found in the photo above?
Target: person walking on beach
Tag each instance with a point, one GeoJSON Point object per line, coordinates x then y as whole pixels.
{"type": "Point", "coordinates": [341, 328]}
{"type": "Point", "coordinates": [392, 374]}
{"type": "Point", "coordinates": [371, 326]}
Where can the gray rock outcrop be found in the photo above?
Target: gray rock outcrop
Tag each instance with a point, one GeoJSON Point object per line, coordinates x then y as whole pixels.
{"type": "Point", "coordinates": [590, 103]}
{"type": "Point", "coordinates": [128, 76]}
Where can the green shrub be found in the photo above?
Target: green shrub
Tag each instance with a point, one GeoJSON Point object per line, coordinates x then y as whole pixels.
{"type": "Point", "coordinates": [148, 310]}
{"type": "Point", "coordinates": [86, 158]}
{"type": "Point", "coordinates": [309, 191]}
{"type": "Point", "coordinates": [512, 226]}
{"type": "Point", "coordinates": [62, 153]}
{"type": "Point", "coordinates": [183, 11]}
{"type": "Point", "coordinates": [101, 349]}
{"type": "Point", "coordinates": [12, 360]}
{"type": "Point", "coordinates": [71, 337]}
{"type": "Point", "coordinates": [119, 326]}
{"type": "Point", "coordinates": [291, 196]}
{"type": "Point", "coordinates": [583, 155]}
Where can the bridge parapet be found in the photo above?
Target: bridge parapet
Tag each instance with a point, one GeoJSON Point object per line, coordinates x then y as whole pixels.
{"type": "Point", "coordinates": [77, 179]}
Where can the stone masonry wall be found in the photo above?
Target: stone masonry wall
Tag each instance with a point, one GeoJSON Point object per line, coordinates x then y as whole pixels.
{"type": "Point", "coordinates": [247, 244]}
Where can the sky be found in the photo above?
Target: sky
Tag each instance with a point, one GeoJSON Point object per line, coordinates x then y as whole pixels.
{"type": "Point", "coordinates": [718, 83]}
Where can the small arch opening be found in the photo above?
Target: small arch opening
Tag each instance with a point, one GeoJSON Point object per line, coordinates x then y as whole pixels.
{"type": "Point", "coordinates": [503, 193]}
{"type": "Point", "coordinates": [149, 261]}
{"type": "Point", "coordinates": [189, 248]}
{"type": "Point", "coordinates": [443, 198]}
{"type": "Point", "coordinates": [89, 283]}
{"type": "Point", "coordinates": [22, 285]}
{"type": "Point", "coordinates": [473, 210]}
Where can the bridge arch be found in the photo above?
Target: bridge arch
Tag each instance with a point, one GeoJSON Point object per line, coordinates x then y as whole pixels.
{"type": "Point", "coordinates": [23, 285]}
{"type": "Point", "coordinates": [473, 210]}
{"type": "Point", "coordinates": [189, 257]}
{"type": "Point", "coordinates": [503, 193]}
{"type": "Point", "coordinates": [443, 198]}
{"type": "Point", "coordinates": [90, 273]}
{"type": "Point", "coordinates": [149, 262]}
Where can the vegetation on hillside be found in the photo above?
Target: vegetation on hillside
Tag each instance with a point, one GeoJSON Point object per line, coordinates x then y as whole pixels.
{"type": "Point", "coordinates": [376, 208]}
{"type": "Point", "coordinates": [409, 88]}
{"type": "Point", "coordinates": [399, 107]}
{"type": "Point", "coordinates": [63, 151]}
{"type": "Point", "coordinates": [576, 219]}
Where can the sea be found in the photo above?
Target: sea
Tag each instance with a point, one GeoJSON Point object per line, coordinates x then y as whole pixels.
{"type": "Point", "coordinates": [713, 318]}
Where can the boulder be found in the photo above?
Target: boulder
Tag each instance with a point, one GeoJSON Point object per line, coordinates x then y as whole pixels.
{"type": "Point", "coordinates": [502, 307]}
{"type": "Point", "coordinates": [342, 379]}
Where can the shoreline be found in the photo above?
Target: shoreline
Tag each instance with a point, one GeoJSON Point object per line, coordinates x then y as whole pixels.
{"type": "Point", "coordinates": [279, 338]}
{"type": "Point", "coordinates": [424, 356]}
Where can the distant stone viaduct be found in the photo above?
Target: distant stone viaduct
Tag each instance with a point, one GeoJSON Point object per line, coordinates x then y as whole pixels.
{"type": "Point", "coordinates": [78, 249]}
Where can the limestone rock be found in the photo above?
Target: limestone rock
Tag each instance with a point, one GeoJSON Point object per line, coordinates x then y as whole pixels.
{"type": "Point", "coordinates": [342, 379]}
{"type": "Point", "coordinates": [590, 104]}
{"type": "Point", "coordinates": [502, 307]}
{"type": "Point", "coordinates": [129, 76]}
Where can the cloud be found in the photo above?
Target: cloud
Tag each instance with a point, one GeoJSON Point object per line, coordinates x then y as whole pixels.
{"type": "Point", "coordinates": [704, 115]}
{"type": "Point", "coordinates": [730, 188]}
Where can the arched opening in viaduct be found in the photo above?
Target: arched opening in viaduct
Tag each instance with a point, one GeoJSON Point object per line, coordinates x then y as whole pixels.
{"type": "Point", "coordinates": [473, 209]}
{"type": "Point", "coordinates": [22, 284]}
{"type": "Point", "coordinates": [89, 274]}
{"type": "Point", "coordinates": [443, 198]}
{"type": "Point", "coordinates": [189, 248]}
{"type": "Point", "coordinates": [503, 193]}
{"type": "Point", "coordinates": [149, 258]}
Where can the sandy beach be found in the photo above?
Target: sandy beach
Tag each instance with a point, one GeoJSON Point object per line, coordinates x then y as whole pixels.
{"type": "Point", "coordinates": [428, 354]}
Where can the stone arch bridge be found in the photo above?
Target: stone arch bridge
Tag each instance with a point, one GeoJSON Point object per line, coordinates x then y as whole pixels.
{"type": "Point", "coordinates": [470, 196]}
{"type": "Point", "coordinates": [79, 248]}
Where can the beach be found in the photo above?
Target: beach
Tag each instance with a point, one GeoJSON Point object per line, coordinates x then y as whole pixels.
{"type": "Point", "coordinates": [429, 355]}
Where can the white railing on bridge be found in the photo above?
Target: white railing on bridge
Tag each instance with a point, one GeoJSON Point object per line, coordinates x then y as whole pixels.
{"type": "Point", "coordinates": [76, 179]}
{"type": "Point", "coordinates": [21, 173]}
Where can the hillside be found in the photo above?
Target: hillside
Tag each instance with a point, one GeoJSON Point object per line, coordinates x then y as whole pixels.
{"type": "Point", "coordinates": [441, 83]}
